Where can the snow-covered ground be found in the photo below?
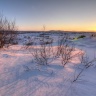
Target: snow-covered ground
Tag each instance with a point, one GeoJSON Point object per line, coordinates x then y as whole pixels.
{"type": "Point", "coordinates": [52, 80]}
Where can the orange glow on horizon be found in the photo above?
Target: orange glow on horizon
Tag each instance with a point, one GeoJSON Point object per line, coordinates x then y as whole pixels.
{"type": "Point", "coordinates": [59, 27]}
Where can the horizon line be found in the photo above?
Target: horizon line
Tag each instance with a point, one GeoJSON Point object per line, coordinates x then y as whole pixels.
{"type": "Point", "coordinates": [54, 30]}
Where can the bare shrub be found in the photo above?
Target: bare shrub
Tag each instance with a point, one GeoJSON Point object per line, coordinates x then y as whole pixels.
{"type": "Point", "coordinates": [43, 52]}
{"type": "Point", "coordinates": [7, 31]}
{"type": "Point", "coordinates": [42, 49]}
{"type": "Point", "coordinates": [65, 49]}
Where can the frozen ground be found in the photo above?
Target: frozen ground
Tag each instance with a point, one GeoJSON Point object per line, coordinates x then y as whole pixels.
{"type": "Point", "coordinates": [52, 80]}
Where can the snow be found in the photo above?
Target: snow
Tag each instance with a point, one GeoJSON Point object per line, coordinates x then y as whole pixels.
{"type": "Point", "coordinates": [19, 76]}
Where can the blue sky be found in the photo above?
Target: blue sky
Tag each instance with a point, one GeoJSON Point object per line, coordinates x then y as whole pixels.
{"type": "Point", "coordinates": [70, 15]}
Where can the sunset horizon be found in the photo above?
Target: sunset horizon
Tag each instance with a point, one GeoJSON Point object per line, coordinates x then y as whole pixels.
{"type": "Point", "coordinates": [67, 15]}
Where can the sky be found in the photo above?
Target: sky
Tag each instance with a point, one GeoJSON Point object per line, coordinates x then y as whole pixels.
{"type": "Point", "coordinates": [67, 15]}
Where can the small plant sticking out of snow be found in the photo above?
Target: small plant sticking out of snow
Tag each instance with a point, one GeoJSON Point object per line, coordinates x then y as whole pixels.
{"type": "Point", "coordinates": [81, 36]}
{"type": "Point", "coordinates": [86, 64]}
